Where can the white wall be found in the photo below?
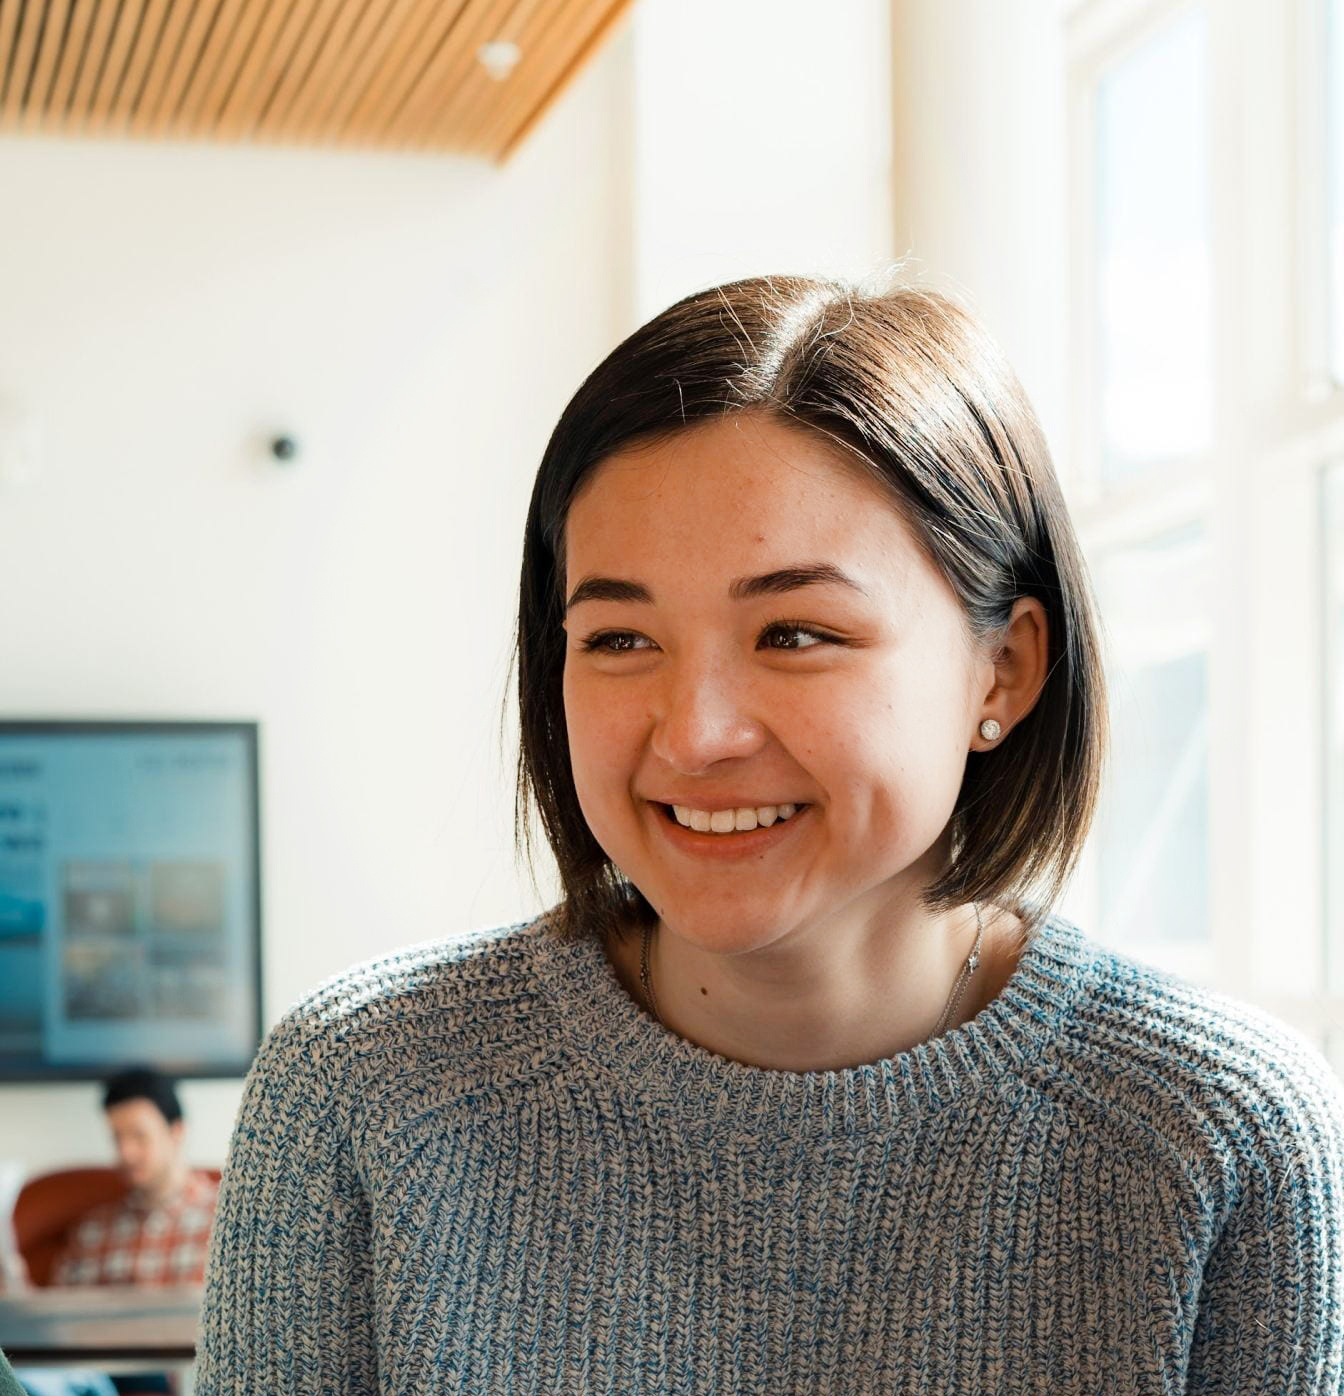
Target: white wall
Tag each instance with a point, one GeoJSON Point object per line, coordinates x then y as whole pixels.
{"type": "Point", "coordinates": [763, 138]}
{"type": "Point", "coordinates": [417, 323]}
{"type": "Point", "coordinates": [980, 175]}
{"type": "Point", "coordinates": [839, 139]}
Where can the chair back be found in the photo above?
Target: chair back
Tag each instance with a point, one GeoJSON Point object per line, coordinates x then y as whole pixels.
{"type": "Point", "coordinates": [49, 1205]}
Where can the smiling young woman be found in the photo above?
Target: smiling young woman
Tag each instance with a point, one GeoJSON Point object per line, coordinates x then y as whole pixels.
{"type": "Point", "coordinates": [753, 628]}
{"type": "Point", "coordinates": [803, 1085]}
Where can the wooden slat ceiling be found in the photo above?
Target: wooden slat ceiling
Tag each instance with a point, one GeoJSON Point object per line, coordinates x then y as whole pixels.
{"type": "Point", "coordinates": [393, 74]}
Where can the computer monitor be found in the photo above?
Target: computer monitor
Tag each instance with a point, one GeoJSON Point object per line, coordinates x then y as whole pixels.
{"type": "Point", "coordinates": [130, 898]}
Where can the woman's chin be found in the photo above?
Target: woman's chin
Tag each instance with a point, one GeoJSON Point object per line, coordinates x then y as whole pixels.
{"type": "Point", "coordinates": [719, 931]}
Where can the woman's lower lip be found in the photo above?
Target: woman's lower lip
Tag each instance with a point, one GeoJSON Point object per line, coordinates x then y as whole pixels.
{"type": "Point", "coordinates": [743, 844]}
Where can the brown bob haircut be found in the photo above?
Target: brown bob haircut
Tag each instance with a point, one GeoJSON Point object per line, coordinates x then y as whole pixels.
{"type": "Point", "coordinates": [907, 383]}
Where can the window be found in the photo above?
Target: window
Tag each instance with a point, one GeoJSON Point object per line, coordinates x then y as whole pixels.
{"type": "Point", "coordinates": [1334, 182]}
{"type": "Point", "coordinates": [1154, 275]}
{"type": "Point", "coordinates": [1153, 823]}
{"type": "Point", "coordinates": [1332, 587]}
{"type": "Point", "coordinates": [1206, 197]}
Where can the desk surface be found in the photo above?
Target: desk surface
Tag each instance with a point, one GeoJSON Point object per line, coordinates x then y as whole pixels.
{"type": "Point", "coordinates": [100, 1322]}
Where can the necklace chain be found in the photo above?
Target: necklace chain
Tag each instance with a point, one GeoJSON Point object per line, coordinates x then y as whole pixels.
{"type": "Point", "coordinates": [954, 998]}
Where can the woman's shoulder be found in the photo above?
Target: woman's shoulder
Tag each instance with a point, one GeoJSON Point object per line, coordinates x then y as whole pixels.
{"type": "Point", "coordinates": [1233, 1089]}
{"type": "Point", "coordinates": [449, 1006]}
{"type": "Point", "coordinates": [1140, 1013]}
{"type": "Point", "coordinates": [426, 975]}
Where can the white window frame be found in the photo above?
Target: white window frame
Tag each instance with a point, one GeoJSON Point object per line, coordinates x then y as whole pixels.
{"type": "Point", "coordinates": [1278, 420]}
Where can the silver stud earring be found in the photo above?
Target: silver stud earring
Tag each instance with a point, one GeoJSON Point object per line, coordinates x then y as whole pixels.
{"type": "Point", "coordinates": [989, 729]}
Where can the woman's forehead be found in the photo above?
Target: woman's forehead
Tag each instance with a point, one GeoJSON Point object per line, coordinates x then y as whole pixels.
{"type": "Point", "coordinates": [734, 498]}
{"type": "Point", "coordinates": [747, 463]}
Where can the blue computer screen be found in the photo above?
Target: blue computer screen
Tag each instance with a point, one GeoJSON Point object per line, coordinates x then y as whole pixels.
{"type": "Point", "coordinates": [129, 898]}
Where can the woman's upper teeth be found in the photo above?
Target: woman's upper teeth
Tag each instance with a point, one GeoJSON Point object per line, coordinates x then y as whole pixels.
{"type": "Point", "coordinates": [727, 821]}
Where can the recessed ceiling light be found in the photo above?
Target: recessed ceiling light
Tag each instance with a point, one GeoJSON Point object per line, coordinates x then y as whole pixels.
{"type": "Point", "coordinates": [499, 57]}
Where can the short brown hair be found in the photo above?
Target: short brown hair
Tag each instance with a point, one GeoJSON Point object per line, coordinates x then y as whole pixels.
{"type": "Point", "coordinates": [143, 1083]}
{"type": "Point", "coordinates": [906, 382]}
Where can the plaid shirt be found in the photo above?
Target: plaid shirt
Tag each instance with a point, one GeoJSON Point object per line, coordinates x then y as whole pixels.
{"type": "Point", "coordinates": [134, 1242]}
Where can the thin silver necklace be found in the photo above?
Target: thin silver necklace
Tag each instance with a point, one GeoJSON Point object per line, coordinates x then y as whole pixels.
{"type": "Point", "coordinates": [954, 998]}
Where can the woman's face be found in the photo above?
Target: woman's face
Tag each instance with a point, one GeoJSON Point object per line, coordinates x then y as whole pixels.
{"type": "Point", "coordinates": [750, 626]}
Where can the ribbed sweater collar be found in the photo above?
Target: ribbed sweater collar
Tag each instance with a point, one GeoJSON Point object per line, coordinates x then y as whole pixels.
{"type": "Point", "coordinates": [609, 1032]}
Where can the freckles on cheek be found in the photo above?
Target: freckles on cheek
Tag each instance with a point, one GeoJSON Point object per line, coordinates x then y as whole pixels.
{"type": "Point", "coordinates": [589, 792]}
{"type": "Point", "coordinates": [587, 777]}
{"type": "Point", "coordinates": [597, 766]}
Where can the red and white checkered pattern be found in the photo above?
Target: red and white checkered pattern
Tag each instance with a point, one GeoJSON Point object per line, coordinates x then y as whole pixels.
{"type": "Point", "coordinates": [132, 1242]}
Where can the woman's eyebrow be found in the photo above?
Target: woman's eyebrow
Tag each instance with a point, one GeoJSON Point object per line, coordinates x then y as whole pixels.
{"type": "Point", "coordinates": [741, 589]}
{"type": "Point", "coordinates": [790, 579]}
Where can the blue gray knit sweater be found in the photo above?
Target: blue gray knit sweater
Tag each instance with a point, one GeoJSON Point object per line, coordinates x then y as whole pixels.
{"type": "Point", "coordinates": [478, 1166]}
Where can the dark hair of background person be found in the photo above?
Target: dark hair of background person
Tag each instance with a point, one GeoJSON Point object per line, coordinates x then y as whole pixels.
{"type": "Point", "coordinates": [907, 383]}
{"type": "Point", "coordinates": [144, 1083]}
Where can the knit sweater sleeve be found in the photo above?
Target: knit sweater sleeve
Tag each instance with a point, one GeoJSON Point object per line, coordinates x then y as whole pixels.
{"type": "Point", "coordinates": [288, 1294]}
{"type": "Point", "coordinates": [1270, 1314]}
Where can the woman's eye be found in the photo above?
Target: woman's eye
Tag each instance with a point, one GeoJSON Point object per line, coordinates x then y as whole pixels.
{"type": "Point", "coordinates": [785, 636]}
{"type": "Point", "coordinates": [612, 642]}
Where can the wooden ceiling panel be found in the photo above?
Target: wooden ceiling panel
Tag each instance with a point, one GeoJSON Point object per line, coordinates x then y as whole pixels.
{"type": "Point", "coordinates": [103, 103]}
{"type": "Point", "coordinates": [428, 27]}
{"type": "Point", "coordinates": [147, 39]}
{"type": "Point", "coordinates": [552, 65]}
{"type": "Point", "coordinates": [161, 63]}
{"type": "Point", "coordinates": [390, 74]}
{"type": "Point", "coordinates": [381, 59]}
{"type": "Point", "coordinates": [80, 113]}
{"type": "Point", "coordinates": [220, 62]}
{"type": "Point", "coordinates": [44, 70]}
{"type": "Point", "coordinates": [452, 63]}
{"type": "Point", "coordinates": [24, 37]}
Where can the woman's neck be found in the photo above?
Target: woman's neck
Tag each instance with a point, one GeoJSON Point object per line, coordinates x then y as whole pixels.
{"type": "Point", "coordinates": [797, 1012]}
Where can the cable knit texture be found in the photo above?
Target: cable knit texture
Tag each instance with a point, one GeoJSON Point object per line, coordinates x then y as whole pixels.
{"type": "Point", "coordinates": [477, 1165]}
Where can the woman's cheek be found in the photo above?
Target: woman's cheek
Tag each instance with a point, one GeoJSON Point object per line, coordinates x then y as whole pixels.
{"type": "Point", "coordinates": [596, 754]}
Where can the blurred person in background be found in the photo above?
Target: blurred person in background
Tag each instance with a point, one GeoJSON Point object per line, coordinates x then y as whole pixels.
{"type": "Point", "coordinates": [158, 1231]}
{"type": "Point", "coordinates": [157, 1234]}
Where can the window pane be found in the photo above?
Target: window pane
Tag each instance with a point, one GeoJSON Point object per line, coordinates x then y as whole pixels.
{"type": "Point", "coordinates": [1154, 257]}
{"type": "Point", "coordinates": [1332, 559]}
{"type": "Point", "coordinates": [1153, 836]}
{"type": "Point", "coordinates": [1335, 182]}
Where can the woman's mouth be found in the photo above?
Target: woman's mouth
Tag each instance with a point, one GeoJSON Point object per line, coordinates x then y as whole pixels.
{"type": "Point", "coordinates": [731, 821]}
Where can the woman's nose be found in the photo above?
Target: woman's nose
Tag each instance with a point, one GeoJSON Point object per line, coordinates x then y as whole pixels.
{"type": "Point", "coordinates": [704, 717]}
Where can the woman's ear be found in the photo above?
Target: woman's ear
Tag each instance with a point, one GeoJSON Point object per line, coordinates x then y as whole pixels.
{"type": "Point", "coordinates": [1020, 663]}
